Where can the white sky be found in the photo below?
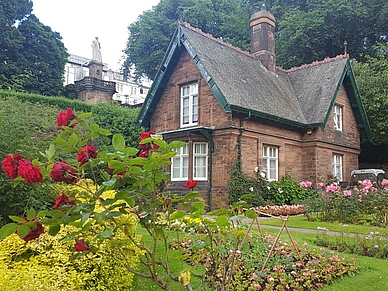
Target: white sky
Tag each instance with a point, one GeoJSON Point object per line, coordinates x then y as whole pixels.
{"type": "Point", "coordinates": [80, 21]}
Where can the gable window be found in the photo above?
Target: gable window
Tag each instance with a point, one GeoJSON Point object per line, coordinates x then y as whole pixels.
{"type": "Point", "coordinates": [270, 162]}
{"type": "Point", "coordinates": [338, 117]}
{"type": "Point", "coordinates": [180, 164]}
{"type": "Point", "coordinates": [189, 105]}
{"type": "Point", "coordinates": [337, 167]}
{"type": "Point", "coordinates": [191, 162]}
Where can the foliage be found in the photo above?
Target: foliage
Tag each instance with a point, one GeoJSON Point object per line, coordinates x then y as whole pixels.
{"type": "Point", "coordinates": [288, 268]}
{"type": "Point", "coordinates": [287, 191]}
{"type": "Point", "coordinates": [371, 245]}
{"type": "Point", "coordinates": [32, 55]}
{"type": "Point", "coordinates": [254, 191]}
{"type": "Point", "coordinates": [365, 204]}
{"type": "Point", "coordinates": [150, 35]}
{"type": "Point", "coordinates": [44, 264]}
{"type": "Point", "coordinates": [372, 81]}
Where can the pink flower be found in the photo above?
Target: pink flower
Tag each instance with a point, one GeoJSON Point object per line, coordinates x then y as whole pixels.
{"type": "Point", "coordinates": [257, 286]}
{"type": "Point", "coordinates": [384, 182]}
{"type": "Point", "coordinates": [333, 188]}
{"type": "Point", "coordinates": [305, 184]}
{"type": "Point", "coordinates": [321, 184]}
{"type": "Point", "coordinates": [347, 193]}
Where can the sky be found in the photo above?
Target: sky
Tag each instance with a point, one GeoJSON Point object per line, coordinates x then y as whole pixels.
{"type": "Point", "coordinates": [80, 21]}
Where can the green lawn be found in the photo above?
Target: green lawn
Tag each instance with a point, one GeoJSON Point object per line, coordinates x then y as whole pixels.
{"type": "Point", "coordinates": [373, 275]}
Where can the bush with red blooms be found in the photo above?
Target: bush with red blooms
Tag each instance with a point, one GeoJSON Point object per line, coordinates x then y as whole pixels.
{"type": "Point", "coordinates": [14, 166]}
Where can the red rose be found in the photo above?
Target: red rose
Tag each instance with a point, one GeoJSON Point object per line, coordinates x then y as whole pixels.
{"type": "Point", "coordinates": [190, 184]}
{"type": "Point", "coordinates": [63, 201]}
{"type": "Point", "coordinates": [144, 153]}
{"type": "Point", "coordinates": [86, 153]}
{"type": "Point", "coordinates": [80, 245]}
{"type": "Point", "coordinates": [62, 172]}
{"type": "Point", "coordinates": [34, 232]}
{"type": "Point", "coordinates": [29, 173]}
{"type": "Point", "coordinates": [147, 146]}
{"type": "Point", "coordinates": [147, 134]}
{"type": "Point", "coordinates": [65, 117]}
{"type": "Point", "coordinates": [10, 165]}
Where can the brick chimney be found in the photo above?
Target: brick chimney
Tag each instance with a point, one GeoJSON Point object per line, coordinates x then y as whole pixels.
{"type": "Point", "coordinates": [262, 25]}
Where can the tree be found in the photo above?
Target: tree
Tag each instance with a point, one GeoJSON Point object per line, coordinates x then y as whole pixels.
{"type": "Point", "coordinates": [32, 57]}
{"type": "Point", "coordinates": [372, 81]}
{"type": "Point", "coordinates": [150, 35]}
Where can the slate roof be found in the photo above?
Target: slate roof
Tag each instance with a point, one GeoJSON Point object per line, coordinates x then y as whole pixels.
{"type": "Point", "coordinates": [300, 96]}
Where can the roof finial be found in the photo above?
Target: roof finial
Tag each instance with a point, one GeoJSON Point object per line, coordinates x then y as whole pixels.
{"type": "Point", "coordinates": [263, 7]}
{"type": "Point", "coordinates": [181, 8]}
{"type": "Point", "coordinates": [345, 48]}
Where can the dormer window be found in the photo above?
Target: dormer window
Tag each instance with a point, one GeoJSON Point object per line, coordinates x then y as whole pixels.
{"type": "Point", "coordinates": [189, 105]}
{"type": "Point", "coordinates": [337, 117]}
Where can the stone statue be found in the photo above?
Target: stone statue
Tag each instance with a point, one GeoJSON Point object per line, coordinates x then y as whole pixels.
{"type": "Point", "coordinates": [96, 47]}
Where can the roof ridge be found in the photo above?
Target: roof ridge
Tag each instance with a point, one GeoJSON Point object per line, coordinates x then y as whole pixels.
{"type": "Point", "coordinates": [315, 63]}
{"type": "Point", "coordinates": [219, 40]}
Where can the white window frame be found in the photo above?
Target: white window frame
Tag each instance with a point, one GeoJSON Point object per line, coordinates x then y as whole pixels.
{"type": "Point", "coordinates": [270, 154]}
{"type": "Point", "coordinates": [178, 163]}
{"type": "Point", "coordinates": [338, 118]}
{"type": "Point", "coordinates": [189, 105]}
{"type": "Point", "coordinates": [197, 156]}
{"type": "Point", "coordinates": [337, 167]}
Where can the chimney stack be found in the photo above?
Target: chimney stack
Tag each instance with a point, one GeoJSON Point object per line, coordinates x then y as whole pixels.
{"type": "Point", "coordinates": [262, 25]}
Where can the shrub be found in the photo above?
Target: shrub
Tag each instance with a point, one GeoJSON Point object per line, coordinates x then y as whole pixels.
{"type": "Point", "coordinates": [287, 191]}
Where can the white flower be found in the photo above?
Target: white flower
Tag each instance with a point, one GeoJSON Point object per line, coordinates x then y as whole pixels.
{"type": "Point", "coordinates": [256, 169]}
{"type": "Point", "coordinates": [251, 189]}
{"type": "Point", "coordinates": [280, 190]}
{"type": "Point", "coordinates": [262, 174]}
{"type": "Point", "coordinates": [268, 187]}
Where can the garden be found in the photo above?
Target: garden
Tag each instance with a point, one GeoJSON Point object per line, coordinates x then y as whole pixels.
{"type": "Point", "coordinates": [107, 221]}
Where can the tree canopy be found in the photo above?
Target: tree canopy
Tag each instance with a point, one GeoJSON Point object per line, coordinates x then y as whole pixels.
{"type": "Point", "coordinates": [32, 56]}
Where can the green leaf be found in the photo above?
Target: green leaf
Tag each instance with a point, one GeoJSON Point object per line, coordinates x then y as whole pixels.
{"type": "Point", "coordinates": [130, 151]}
{"type": "Point", "coordinates": [191, 195]}
{"type": "Point", "coordinates": [78, 255]}
{"type": "Point", "coordinates": [104, 131]}
{"type": "Point", "coordinates": [250, 214]}
{"type": "Point", "coordinates": [84, 115]}
{"type": "Point", "coordinates": [177, 214]}
{"type": "Point", "coordinates": [73, 139]}
{"type": "Point", "coordinates": [176, 144]}
{"type": "Point", "coordinates": [94, 127]}
{"type": "Point", "coordinates": [54, 229]}
{"type": "Point", "coordinates": [23, 230]}
{"type": "Point", "coordinates": [110, 182]}
{"type": "Point", "coordinates": [222, 221]}
{"type": "Point", "coordinates": [198, 270]}
{"type": "Point", "coordinates": [17, 219]}
{"type": "Point", "coordinates": [118, 142]}
{"type": "Point", "coordinates": [50, 152]}
{"type": "Point", "coordinates": [31, 213]}
{"type": "Point", "coordinates": [105, 234]}
{"type": "Point", "coordinates": [42, 213]}
{"type": "Point", "coordinates": [59, 142]}
{"type": "Point", "coordinates": [7, 230]}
